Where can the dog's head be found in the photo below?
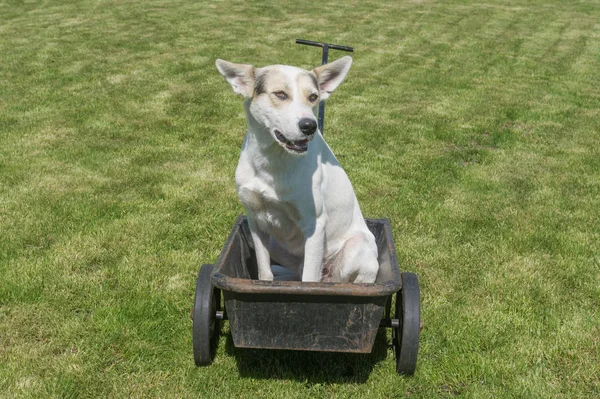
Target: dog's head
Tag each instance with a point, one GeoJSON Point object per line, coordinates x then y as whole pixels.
{"type": "Point", "coordinates": [284, 99]}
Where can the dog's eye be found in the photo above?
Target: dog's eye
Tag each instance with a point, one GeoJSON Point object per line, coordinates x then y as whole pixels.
{"type": "Point", "coordinates": [312, 98]}
{"type": "Point", "coordinates": [281, 95]}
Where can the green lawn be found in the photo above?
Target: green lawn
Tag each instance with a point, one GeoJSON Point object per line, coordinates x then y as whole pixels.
{"type": "Point", "coordinates": [472, 125]}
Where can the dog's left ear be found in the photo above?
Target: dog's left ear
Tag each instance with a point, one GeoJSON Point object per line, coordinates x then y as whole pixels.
{"type": "Point", "coordinates": [239, 76]}
{"type": "Point", "coordinates": [331, 75]}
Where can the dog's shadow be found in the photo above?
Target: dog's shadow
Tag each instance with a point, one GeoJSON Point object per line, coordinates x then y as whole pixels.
{"type": "Point", "coordinates": [310, 367]}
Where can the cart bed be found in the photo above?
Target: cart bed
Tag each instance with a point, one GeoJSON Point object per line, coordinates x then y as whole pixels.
{"type": "Point", "coordinates": [296, 315]}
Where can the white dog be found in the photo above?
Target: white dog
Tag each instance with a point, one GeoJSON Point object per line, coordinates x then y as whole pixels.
{"type": "Point", "coordinates": [301, 208]}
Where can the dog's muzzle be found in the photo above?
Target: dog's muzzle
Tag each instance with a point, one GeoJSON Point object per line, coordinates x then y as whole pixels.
{"type": "Point", "coordinates": [297, 146]}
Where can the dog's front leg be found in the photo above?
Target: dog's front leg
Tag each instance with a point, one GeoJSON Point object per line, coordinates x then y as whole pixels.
{"type": "Point", "coordinates": [261, 247]}
{"type": "Point", "coordinates": [314, 250]}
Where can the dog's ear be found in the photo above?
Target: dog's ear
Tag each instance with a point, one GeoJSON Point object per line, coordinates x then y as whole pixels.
{"type": "Point", "coordinates": [331, 75]}
{"type": "Point", "coordinates": [239, 76]}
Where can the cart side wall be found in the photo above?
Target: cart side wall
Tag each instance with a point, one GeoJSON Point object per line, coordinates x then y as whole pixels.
{"type": "Point", "coordinates": [314, 323]}
{"type": "Point", "coordinates": [388, 264]}
{"type": "Point", "coordinates": [238, 259]}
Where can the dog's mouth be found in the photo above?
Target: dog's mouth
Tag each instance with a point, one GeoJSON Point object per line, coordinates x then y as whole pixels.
{"type": "Point", "coordinates": [296, 146]}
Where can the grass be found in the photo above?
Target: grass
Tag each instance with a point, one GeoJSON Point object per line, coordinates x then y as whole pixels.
{"type": "Point", "coordinates": [472, 125]}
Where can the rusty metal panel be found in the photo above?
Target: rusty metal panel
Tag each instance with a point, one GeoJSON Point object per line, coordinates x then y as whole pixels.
{"type": "Point", "coordinates": [315, 323]}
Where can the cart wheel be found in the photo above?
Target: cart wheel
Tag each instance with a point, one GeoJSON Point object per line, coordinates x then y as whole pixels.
{"type": "Point", "coordinates": [205, 325]}
{"type": "Point", "coordinates": [408, 312]}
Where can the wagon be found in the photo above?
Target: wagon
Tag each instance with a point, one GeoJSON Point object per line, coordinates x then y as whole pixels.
{"type": "Point", "coordinates": [305, 316]}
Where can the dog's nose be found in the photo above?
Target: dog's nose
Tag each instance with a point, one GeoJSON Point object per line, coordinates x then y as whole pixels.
{"type": "Point", "coordinates": [307, 126]}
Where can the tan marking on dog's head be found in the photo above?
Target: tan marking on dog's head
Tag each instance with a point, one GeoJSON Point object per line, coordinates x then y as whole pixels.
{"type": "Point", "coordinates": [307, 82]}
{"type": "Point", "coordinates": [280, 88]}
{"type": "Point", "coordinates": [272, 82]}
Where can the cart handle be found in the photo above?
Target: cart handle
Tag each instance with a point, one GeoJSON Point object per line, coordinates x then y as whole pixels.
{"type": "Point", "coordinates": [325, 47]}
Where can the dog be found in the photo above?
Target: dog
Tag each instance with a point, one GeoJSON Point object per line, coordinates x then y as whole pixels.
{"type": "Point", "coordinates": [301, 208]}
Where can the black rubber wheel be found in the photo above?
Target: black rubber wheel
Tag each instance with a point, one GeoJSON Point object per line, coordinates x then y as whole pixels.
{"type": "Point", "coordinates": [408, 312]}
{"type": "Point", "coordinates": [205, 325]}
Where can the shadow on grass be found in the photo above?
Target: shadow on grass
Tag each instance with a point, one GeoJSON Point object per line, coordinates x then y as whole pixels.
{"type": "Point", "coordinates": [306, 366]}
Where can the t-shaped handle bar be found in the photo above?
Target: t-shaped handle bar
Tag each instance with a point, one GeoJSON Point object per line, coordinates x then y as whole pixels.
{"type": "Point", "coordinates": [325, 47]}
{"type": "Point", "coordinates": [319, 44]}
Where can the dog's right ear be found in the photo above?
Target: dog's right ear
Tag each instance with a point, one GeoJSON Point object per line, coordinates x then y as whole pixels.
{"type": "Point", "coordinates": [239, 76]}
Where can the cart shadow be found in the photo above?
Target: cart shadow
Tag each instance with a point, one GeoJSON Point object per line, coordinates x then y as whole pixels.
{"type": "Point", "coordinates": [310, 367]}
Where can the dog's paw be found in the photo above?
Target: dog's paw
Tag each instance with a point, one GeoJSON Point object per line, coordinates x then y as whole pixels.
{"type": "Point", "coordinates": [266, 275]}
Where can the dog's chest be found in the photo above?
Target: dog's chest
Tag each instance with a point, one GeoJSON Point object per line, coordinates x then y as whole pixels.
{"type": "Point", "coordinates": [273, 214]}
